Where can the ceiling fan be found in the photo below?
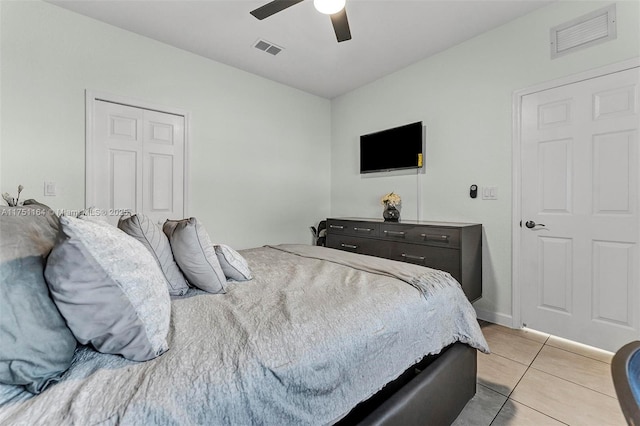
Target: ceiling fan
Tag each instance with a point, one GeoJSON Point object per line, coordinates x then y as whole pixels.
{"type": "Point", "coordinates": [334, 8]}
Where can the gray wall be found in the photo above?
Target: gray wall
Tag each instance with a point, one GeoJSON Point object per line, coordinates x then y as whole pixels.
{"type": "Point", "coordinates": [464, 97]}
{"type": "Point", "coordinates": [267, 161]}
{"type": "Point", "coordinates": [260, 151]}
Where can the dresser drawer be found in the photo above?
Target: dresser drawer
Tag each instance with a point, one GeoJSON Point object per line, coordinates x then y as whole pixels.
{"type": "Point", "coordinates": [357, 245]}
{"type": "Point", "coordinates": [429, 235]}
{"type": "Point", "coordinates": [447, 260]}
{"type": "Point", "coordinates": [452, 247]}
{"type": "Point", "coordinates": [352, 227]}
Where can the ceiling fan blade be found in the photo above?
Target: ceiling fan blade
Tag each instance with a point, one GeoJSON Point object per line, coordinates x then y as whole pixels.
{"type": "Point", "coordinates": [272, 8]}
{"type": "Point", "coordinates": [341, 25]}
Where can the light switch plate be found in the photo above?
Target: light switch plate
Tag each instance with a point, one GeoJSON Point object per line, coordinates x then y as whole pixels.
{"type": "Point", "coordinates": [490, 193]}
{"type": "Point", "coordinates": [50, 189]}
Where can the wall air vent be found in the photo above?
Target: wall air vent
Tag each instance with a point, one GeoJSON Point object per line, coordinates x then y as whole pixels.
{"type": "Point", "coordinates": [587, 30]}
{"type": "Point", "coordinates": [268, 47]}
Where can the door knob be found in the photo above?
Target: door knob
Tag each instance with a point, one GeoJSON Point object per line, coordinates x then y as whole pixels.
{"type": "Point", "coordinates": [531, 224]}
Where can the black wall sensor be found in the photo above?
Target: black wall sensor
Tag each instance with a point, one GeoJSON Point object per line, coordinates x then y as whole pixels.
{"type": "Point", "coordinates": [473, 191]}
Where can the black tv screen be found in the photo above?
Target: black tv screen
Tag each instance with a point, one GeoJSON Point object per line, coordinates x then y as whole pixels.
{"type": "Point", "coordinates": [392, 149]}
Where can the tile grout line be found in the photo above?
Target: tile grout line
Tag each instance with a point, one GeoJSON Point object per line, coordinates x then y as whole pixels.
{"type": "Point", "coordinates": [579, 354]}
{"type": "Point", "coordinates": [498, 413]}
{"type": "Point", "coordinates": [570, 381]}
{"type": "Point", "coordinates": [499, 330]}
{"type": "Point", "coordinates": [516, 385]}
{"type": "Point", "coordinates": [529, 366]}
{"type": "Point", "coordinates": [560, 377]}
{"type": "Point", "coordinates": [510, 359]}
{"type": "Point", "coordinates": [546, 342]}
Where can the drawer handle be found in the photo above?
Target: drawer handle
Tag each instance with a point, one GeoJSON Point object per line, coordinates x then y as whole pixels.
{"type": "Point", "coordinates": [430, 237]}
{"type": "Point", "coordinates": [349, 246]}
{"type": "Point", "coordinates": [395, 233]}
{"type": "Point", "coordinates": [412, 257]}
{"type": "Point", "coordinates": [363, 229]}
{"type": "Point", "coordinates": [336, 226]}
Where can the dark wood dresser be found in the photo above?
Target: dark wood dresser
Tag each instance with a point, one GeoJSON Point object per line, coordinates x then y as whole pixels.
{"type": "Point", "coordinates": [452, 247]}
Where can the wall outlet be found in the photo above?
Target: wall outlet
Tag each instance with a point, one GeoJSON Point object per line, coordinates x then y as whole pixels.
{"type": "Point", "coordinates": [490, 193]}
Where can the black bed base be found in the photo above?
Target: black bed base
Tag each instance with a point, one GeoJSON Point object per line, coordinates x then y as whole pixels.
{"type": "Point", "coordinates": [432, 392]}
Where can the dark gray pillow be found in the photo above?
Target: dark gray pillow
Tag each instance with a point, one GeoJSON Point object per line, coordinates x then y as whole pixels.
{"type": "Point", "coordinates": [109, 289]}
{"type": "Point", "coordinates": [194, 253]}
{"type": "Point", "coordinates": [151, 236]}
{"type": "Point", "coordinates": [36, 346]}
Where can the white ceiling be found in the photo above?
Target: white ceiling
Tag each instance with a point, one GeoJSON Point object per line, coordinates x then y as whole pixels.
{"type": "Point", "coordinates": [387, 34]}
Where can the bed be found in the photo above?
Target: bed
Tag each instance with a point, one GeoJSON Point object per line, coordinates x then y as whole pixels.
{"type": "Point", "coordinates": [318, 336]}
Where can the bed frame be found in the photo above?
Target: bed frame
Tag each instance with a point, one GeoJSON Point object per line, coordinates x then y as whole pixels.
{"type": "Point", "coordinates": [433, 391]}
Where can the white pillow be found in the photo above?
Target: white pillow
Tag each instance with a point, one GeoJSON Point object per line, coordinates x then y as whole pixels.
{"type": "Point", "coordinates": [109, 289]}
{"type": "Point", "coordinates": [233, 265]}
{"type": "Point", "coordinates": [195, 255]}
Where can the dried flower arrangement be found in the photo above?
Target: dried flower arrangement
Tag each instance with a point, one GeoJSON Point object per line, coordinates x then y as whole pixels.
{"type": "Point", "coordinates": [391, 199]}
{"type": "Point", "coordinates": [12, 202]}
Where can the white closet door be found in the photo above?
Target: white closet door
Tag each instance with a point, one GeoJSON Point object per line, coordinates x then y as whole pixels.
{"type": "Point", "coordinates": [117, 159]}
{"type": "Point", "coordinates": [136, 162]}
{"type": "Point", "coordinates": [163, 160]}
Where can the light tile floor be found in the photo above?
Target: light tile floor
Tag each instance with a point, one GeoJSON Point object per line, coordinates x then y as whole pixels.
{"type": "Point", "coordinates": [532, 378]}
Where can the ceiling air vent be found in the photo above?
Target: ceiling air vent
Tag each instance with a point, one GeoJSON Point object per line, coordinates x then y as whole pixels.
{"type": "Point", "coordinates": [268, 47]}
{"type": "Point", "coordinates": [593, 28]}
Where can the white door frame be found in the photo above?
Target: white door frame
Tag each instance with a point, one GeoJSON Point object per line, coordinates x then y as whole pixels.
{"type": "Point", "coordinates": [91, 96]}
{"type": "Point", "coordinates": [516, 167]}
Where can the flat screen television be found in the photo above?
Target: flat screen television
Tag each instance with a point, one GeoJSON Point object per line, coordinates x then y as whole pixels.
{"type": "Point", "coordinates": [392, 149]}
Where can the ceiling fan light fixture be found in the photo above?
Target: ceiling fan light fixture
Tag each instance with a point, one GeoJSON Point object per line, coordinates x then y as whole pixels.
{"type": "Point", "coordinates": [329, 7]}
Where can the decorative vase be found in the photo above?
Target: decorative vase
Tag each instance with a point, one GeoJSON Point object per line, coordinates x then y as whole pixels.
{"type": "Point", "coordinates": [391, 213]}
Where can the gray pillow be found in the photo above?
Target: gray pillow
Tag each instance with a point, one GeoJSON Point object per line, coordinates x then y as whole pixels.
{"type": "Point", "coordinates": [151, 236]}
{"type": "Point", "coordinates": [194, 253]}
{"type": "Point", "coordinates": [36, 345]}
{"type": "Point", "coordinates": [109, 289]}
{"type": "Point", "coordinates": [234, 266]}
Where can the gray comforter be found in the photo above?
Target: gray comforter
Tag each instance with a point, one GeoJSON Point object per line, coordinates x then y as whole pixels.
{"type": "Point", "coordinates": [302, 343]}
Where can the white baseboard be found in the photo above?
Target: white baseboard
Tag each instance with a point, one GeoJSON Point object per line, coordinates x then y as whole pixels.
{"type": "Point", "coordinates": [495, 317]}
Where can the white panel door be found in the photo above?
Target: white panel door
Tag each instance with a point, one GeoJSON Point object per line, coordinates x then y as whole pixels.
{"type": "Point", "coordinates": [116, 172]}
{"type": "Point", "coordinates": [137, 162]}
{"type": "Point", "coordinates": [163, 171]}
{"type": "Point", "coordinates": [580, 231]}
